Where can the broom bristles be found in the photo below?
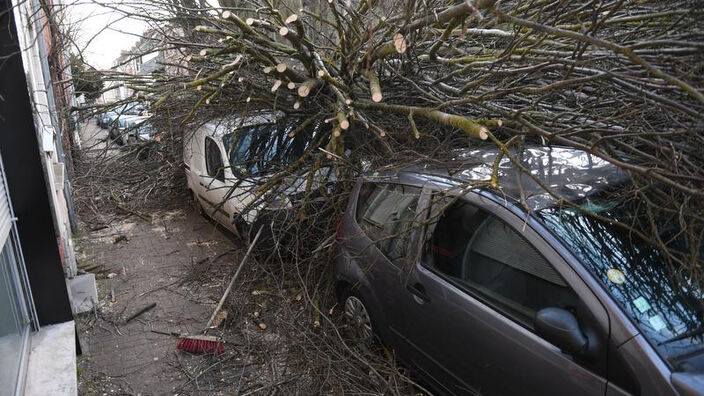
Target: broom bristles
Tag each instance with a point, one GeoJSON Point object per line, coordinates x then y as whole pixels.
{"type": "Point", "coordinates": [201, 345]}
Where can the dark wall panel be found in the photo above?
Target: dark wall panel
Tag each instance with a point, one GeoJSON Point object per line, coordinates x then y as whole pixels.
{"type": "Point", "coordinates": [26, 181]}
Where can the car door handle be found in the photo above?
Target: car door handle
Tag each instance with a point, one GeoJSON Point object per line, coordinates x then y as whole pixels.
{"type": "Point", "coordinates": [418, 292]}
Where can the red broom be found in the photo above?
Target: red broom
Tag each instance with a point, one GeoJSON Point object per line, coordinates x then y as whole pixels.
{"type": "Point", "coordinates": [203, 344]}
{"type": "Point", "coordinates": [199, 344]}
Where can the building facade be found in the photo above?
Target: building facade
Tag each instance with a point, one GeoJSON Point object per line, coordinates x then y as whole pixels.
{"type": "Point", "coordinates": [151, 55]}
{"type": "Point", "coordinates": [37, 132]}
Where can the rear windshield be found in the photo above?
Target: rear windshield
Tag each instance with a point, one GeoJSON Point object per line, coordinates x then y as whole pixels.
{"type": "Point", "coordinates": [266, 148]}
{"type": "Point", "coordinates": [664, 302]}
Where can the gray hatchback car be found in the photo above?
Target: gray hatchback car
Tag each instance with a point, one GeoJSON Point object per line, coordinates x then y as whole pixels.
{"type": "Point", "coordinates": [506, 291]}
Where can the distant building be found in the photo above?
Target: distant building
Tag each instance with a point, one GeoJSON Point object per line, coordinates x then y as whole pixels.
{"type": "Point", "coordinates": [111, 92]}
{"type": "Point", "coordinates": [149, 56]}
{"type": "Point", "coordinates": [175, 59]}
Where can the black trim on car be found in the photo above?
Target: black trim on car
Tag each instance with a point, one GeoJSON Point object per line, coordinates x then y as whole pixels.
{"type": "Point", "coordinates": [214, 206]}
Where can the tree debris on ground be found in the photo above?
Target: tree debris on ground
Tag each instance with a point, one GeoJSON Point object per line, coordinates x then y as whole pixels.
{"type": "Point", "coordinates": [399, 82]}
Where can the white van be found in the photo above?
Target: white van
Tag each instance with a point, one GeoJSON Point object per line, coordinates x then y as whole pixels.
{"type": "Point", "coordinates": [226, 159]}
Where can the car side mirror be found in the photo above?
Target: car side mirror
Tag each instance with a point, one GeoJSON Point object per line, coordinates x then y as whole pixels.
{"type": "Point", "coordinates": [560, 328]}
{"type": "Point", "coordinates": [238, 171]}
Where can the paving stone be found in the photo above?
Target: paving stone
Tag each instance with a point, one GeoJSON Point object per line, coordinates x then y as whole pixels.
{"type": "Point", "coordinates": [154, 262]}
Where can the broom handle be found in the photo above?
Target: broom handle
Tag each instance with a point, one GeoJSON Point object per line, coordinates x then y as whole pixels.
{"type": "Point", "coordinates": [232, 281]}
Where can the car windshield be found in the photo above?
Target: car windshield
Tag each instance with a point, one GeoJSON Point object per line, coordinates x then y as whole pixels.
{"type": "Point", "coordinates": [666, 304]}
{"type": "Point", "coordinates": [265, 148]}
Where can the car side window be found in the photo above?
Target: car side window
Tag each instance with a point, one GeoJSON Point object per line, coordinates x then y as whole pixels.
{"type": "Point", "coordinates": [213, 160]}
{"type": "Point", "coordinates": [386, 213]}
{"type": "Point", "coordinates": [492, 261]}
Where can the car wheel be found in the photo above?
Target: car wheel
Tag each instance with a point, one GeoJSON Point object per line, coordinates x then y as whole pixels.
{"type": "Point", "coordinates": [263, 221]}
{"type": "Point", "coordinates": [358, 318]}
{"type": "Point", "coordinates": [144, 153]}
{"type": "Point", "coordinates": [197, 206]}
{"type": "Point", "coordinates": [115, 137]}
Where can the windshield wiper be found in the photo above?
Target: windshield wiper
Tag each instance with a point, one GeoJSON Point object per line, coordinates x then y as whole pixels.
{"type": "Point", "coordinates": [696, 332]}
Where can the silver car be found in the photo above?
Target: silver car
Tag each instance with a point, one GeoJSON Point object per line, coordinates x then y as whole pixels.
{"type": "Point", "coordinates": [130, 128]}
{"type": "Point", "coordinates": [486, 286]}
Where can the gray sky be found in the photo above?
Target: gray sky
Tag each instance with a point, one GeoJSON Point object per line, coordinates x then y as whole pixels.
{"type": "Point", "coordinates": [102, 32]}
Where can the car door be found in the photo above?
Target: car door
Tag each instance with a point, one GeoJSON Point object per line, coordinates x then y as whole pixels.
{"type": "Point", "coordinates": [384, 217]}
{"type": "Point", "coordinates": [474, 291]}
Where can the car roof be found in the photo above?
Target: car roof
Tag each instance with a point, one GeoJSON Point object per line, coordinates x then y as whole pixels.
{"type": "Point", "coordinates": [568, 173]}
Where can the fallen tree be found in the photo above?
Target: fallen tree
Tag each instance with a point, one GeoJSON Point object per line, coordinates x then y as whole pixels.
{"type": "Point", "coordinates": [394, 82]}
{"type": "Point", "coordinates": [621, 80]}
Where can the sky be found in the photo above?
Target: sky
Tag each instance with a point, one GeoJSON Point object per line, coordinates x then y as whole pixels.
{"type": "Point", "coordinates": [102, 32]}
{"type": "Point", "coordinates": [103, 28]}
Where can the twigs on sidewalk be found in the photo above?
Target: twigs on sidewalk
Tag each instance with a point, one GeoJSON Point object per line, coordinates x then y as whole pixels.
{"type": "Point", "coordinates": [234, 277]}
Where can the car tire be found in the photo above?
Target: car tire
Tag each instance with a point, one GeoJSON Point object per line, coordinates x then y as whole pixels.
{"type": "Point", "coordinates": [358, 317]}
{"type": "Point", "coordinates": [263, 221]}
{"type": "Point", "coordinates": [144, 153]}
{"type": "Point", "coordinates": [115, 137]}
{"type": "Point", "coordinates": [197, 206]}
{"type": "Point", "coordinates": [270, 220]}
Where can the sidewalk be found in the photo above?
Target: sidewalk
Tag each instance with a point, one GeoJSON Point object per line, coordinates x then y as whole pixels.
{"type": "Point", "coordinates": [138, 264]}
{"type": "Point", "coordinates": [283, 333]}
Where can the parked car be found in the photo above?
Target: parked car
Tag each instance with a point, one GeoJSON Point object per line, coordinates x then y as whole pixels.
{"type": "Point", "coordinates": [144, 130]}
{"type": "Point", "coordinates": [108, 119]}
{"type": "Point", "coordinates": [477, 294]}
{"type": "Point", "coordinates": [227, 158]}
{"type": "Point", "coordinates": [130, 129]}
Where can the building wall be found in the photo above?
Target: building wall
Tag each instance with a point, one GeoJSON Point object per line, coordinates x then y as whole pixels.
{"type": "Point", "coordinates": [111, 95]}
{"type": "Point", "coordinates": [50, 121]}
{"type": "Point", "coordinates": [28, 148]}
{"type": "Point", "coordinates": [150, 54]}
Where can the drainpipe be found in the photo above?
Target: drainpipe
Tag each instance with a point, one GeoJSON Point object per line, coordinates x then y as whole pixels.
{"type": "Point", "coordinates": [36, 7]}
